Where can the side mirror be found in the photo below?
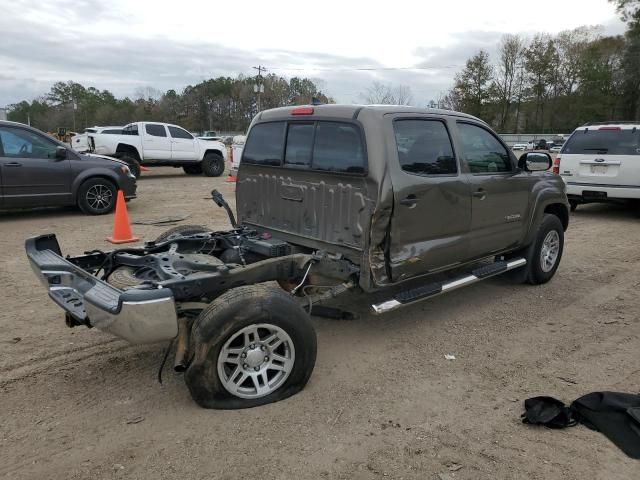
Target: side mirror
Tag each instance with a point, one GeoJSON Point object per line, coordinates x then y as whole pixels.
{"type": "Point", "coordinates": [535, 161]}
{"type": "Point", "coordinates": [61, 153]}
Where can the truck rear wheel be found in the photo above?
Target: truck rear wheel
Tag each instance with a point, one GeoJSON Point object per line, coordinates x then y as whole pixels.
{"type": "Point", "coordinates": [213, 165]}
{"type": "Point", "coordinates": [252, 346]}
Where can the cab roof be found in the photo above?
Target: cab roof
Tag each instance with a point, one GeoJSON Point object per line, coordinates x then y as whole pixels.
{"type": "Point", "coordinates": [349, 111]}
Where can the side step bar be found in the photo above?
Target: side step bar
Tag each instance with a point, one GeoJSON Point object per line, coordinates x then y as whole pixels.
{"type": "Point", "coordinates": [423, 292]}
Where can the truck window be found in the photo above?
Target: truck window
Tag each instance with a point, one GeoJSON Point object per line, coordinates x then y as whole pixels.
{"type": "Point", "coordinates": [177, 132]}
{"type": "Point", "coordinates": [338, 148]}
{"type": "Point", "coordinates": [424, 147]}
{"type": "Point", "coordinates": [483, 152]}
{"type": "Point", "coordinates": [130, 130]}
{"type": "Point", "coordinates": [265, 144]}
{"type": "Point", "coordinates": [299, 144]}
{"type": "Point", "coordinates": [606, 141]}
{"type": "Point", "coordinates": [155, 130]}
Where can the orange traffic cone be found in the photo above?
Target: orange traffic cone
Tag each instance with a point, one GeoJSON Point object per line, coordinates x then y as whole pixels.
{"type": "Point", "coordinates": [231, 179]}
{"type": "Point", "coordinates": [121, 228]}
{"type": "Point", "coordinates": [144, 169]}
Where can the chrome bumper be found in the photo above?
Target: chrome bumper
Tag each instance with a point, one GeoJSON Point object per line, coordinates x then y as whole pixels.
{"type": "Point", "coordinates": [135, 315]}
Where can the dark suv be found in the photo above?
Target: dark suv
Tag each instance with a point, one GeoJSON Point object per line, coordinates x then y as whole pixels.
{"type": "Point", "coordinates": [38, 171]}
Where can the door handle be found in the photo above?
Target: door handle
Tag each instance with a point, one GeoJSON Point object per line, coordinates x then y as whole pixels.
{"type": "Point", "coordinates": [13, 164]}
{"type": "Point", "coordinates": [409, 200]}
{"type": "Point", "coordinates": [480, 193]}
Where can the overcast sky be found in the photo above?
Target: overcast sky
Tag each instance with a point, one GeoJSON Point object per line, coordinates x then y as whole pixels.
{"type": "Point", "coordinates": [124, 45]}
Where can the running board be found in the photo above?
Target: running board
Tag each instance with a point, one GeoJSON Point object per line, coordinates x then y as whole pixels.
{"type": "Point", "coordinates": [423, 292]}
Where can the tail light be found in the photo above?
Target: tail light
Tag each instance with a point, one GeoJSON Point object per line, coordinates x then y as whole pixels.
{"type": "Point", "coordinates": [556, 166]}
{"type": "Point", "coordinates": [302, 111]}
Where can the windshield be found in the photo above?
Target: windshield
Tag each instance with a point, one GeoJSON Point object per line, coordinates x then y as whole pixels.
{"type": "Point", "coordinates": [611, 142]}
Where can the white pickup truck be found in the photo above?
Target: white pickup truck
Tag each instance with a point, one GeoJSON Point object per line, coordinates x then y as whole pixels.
{"type": "Point", "coordinates": [155, 144]}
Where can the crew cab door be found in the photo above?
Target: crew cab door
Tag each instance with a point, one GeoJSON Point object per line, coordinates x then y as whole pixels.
{"type": "Point", "coordinates": [499, 190]}
{"type": "Point", "coordinates": [31, 174]}
{"type": "Point", "coordinates": [432, 202]}
{"type": "Point", "coordinates": [155, 142]}
{"type": "Point", "coordinates": [183, 144]}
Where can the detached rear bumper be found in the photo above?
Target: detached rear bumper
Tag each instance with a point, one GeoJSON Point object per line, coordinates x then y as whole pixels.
{"type": "Point", "coordinates": [136, 315]}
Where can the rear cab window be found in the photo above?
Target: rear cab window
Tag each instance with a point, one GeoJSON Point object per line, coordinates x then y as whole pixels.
{"type": "Point", "coordinates": [155, 130]}
{"type": "Point", "coordinates": [604, 141]}
{"type": "Point", "coordinates": [330, 146]}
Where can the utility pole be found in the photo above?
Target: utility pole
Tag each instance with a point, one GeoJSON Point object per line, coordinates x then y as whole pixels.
{"type": "Point", "coordinates": [258, 88]}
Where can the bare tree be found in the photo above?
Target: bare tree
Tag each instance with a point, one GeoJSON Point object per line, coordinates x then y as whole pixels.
{"type": "Point", "coordinates": [506, 74]}
{"type": "Point", "coordinates": [384, 94]}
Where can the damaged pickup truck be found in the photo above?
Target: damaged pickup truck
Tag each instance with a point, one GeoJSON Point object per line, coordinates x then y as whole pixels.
{"type": "Point", "coordinates": [409, 203]}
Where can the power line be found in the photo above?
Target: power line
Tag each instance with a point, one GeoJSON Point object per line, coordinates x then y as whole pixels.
{"type": "Point", "coordinates": [364, 69]}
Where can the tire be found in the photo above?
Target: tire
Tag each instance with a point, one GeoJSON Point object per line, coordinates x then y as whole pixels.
{"type": "Point", "coordinates": [534, 272]}
{"type": "Point", "coordinates": [97, 196]}
{"type": "Point", "coordinates": [573, 204]}
{"type": "Point", "coordinates": [181, 230]}
{"type": "Point", "coordinates": [213, 165]}
{"type": "Point", "coordinates": [133, 164]}
{"type": "Point", "coordinates": [192, 169]}
{"type": "Point", "coordinates": [260, 311]}
{"type": "Point", "coordinates": [124, 278]}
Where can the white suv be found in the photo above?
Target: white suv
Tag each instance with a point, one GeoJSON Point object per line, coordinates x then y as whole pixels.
{"type": "Point", "coordinates": [601, 162]}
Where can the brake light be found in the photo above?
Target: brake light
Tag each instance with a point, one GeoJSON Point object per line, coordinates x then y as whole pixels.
{"type": "Point", "coordinates": [302, 111]}
{"type": "Point", "coordinates": [609, 128]}
{"type": "Point", "coordinates": [556, 166]}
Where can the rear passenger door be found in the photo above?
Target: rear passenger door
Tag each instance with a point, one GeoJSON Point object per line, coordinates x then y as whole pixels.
{"type": "Point", "coordinates": [183, 144]}
{"type": "Point", "coordinates": [432, 201]}
{"type": "Point", "coordinates": [155, 142]}
{"type": "Point", "coordinates": [499, 190]}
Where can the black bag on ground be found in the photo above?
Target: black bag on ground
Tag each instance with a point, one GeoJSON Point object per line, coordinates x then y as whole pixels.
{"type": "Point", "coordinates": [615, 415]}
{"type": "Point", "coordinates": [547, 411]}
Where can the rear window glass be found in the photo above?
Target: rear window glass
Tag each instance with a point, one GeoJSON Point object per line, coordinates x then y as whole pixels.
{"type": "Point", "coordinates": [424, 147]}
{"type": "Point", "coordinates": [611, 142]}
{"type": "Point", "coordinates": [112, 132]}
{"type": "Point", "coordinates": [299, 144]}
{"type": "Point", "coordinates": [264, 145]}
{"type": "Point", "coordinates": [338, 148]}
{"type": "Point", "coordinates": [322, 145]}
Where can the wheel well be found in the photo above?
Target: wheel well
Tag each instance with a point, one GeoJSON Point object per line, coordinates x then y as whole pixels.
{"type": "Point", "coordinates": [122, 149]}
{"type": "Point", "coordinates": [91, 177]}
{"type": "Point", "coordinates": [218, 152]}
{"type": "Point", "coordinates": [560, 211]}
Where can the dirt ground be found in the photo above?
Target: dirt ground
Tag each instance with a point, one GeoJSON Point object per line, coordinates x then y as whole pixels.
{"type": "Point", "coordinates": [383, 401]}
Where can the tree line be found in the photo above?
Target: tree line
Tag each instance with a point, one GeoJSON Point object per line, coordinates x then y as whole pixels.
{"type": "Point", "coordinates": [553, 83]}
{"type": "Point", "coordinates": [222, 104]}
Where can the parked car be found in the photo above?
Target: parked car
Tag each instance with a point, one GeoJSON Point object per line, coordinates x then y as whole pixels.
{"type": "Point", "coordinates": [80, 142]}
{"type": "Point", "coordinates": [236, 153]}
{"type": "Point", "coordinates": [600, 162]}
{"type": "Point", "coordinates": [519, 146]}
{"type": "Point", "coordinates": [37, 170]}
{"type": "Point", "coordinates": [162, 144]}
{"type": "Point", "coordinates": [326, 204]}
{"type": "Point", "coordinates": [555, 149]}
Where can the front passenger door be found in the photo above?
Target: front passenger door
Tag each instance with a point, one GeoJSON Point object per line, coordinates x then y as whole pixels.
{"type": "Point", "coordinates": [499, 191]}
{"type": "Point", "coordinates": [31, 174]}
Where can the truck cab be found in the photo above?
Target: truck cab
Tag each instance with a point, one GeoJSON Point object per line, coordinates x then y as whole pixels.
{"type": "Point", "coordinates": [402, 191]}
